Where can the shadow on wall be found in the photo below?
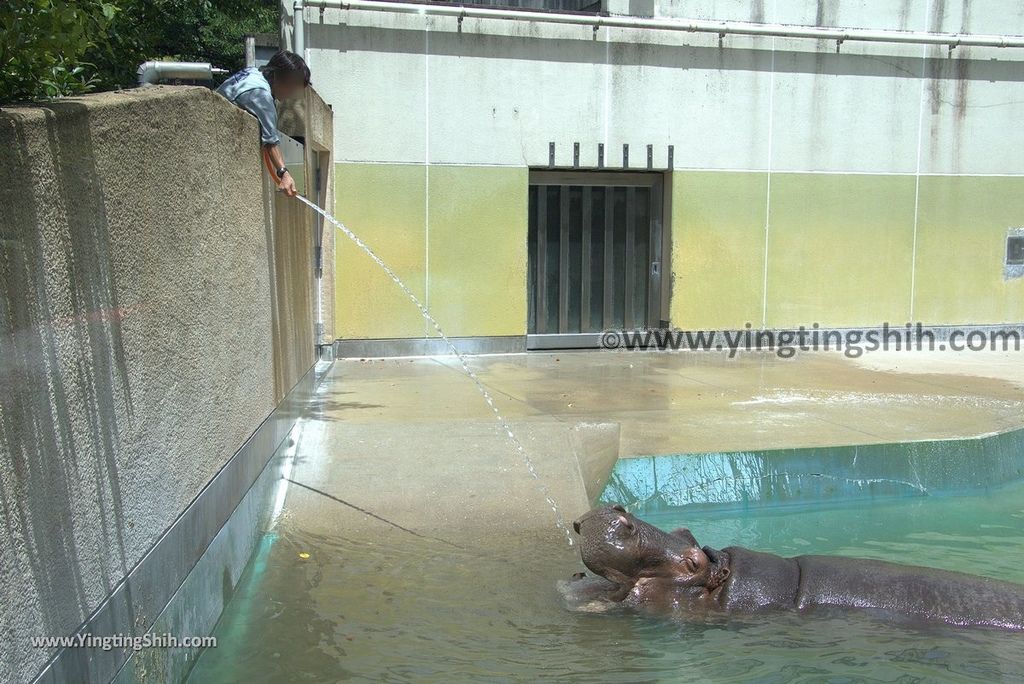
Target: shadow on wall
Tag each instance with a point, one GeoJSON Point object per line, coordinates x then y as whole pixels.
{"type": "Point", "coordinates": [63, 367]}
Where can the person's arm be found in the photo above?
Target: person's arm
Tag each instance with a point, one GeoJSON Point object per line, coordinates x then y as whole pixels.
{"type": "Point", "coordinates": [260, 104]}
{"type": "Point", "coordinates": [284, 182]}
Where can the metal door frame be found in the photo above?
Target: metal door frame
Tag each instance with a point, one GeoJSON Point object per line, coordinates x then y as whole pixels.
{"type": "Point", "coordinates": [658, 283]}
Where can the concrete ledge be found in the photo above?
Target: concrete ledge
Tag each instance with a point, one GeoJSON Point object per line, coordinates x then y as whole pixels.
{"type": "Point", "coordinates": [596, 447]}
{"type": "Point", "coordinates": [427, 346]}
{"type": "Point", "coordinates": [136, 603]}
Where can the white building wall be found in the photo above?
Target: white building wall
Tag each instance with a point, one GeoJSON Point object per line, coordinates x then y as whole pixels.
{"type": "Point", "coordinates": [415, 88]}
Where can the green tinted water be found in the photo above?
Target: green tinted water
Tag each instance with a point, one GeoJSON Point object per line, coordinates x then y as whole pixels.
{"type": "Point", "coordinates": [418, 612]}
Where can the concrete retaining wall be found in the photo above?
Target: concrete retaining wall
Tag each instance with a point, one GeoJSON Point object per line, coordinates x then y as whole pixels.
{"type": "Point", "coordinates": [311, 120]}
{"type": "Point", "coordinates": [155, 307]}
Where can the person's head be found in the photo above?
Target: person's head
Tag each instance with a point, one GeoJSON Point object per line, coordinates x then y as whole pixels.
{"type": "Point", "coordinates": [287, 74]}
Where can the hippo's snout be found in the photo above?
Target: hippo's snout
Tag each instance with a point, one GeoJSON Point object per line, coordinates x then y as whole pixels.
{"type": "Point", "coordinates": [607, 515]}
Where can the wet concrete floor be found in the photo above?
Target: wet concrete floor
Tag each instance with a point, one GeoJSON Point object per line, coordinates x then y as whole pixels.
{"type": "Point", "coordinates": [411, 439]}
{"type": "Point", "coordinates": [689, 402]}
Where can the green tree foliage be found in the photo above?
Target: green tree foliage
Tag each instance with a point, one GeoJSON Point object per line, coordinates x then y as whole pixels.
{"type": "Point", "coordinates": [43, 44]}
{"type": "Point", "coordinates": [184, 30]}
{"type": "Point", "coordinates": [50, 48]}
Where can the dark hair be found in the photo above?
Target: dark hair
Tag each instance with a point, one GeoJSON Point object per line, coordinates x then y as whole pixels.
{"type": "Point", "coordinates": [288, 65]}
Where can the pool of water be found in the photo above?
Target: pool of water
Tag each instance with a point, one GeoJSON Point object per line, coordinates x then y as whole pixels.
{"type": "Point", "coordinates": [418, 611]}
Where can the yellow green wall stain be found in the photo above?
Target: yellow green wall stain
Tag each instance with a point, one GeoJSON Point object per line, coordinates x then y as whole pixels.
{"type": "Point", "coordinates": [961, 248]}
{"type": "Point", "coordinates": [478, 249]}
{"type": "Point", "coordinates": [383, 204]}
{"type": "Point", "coordinates": [474, 243]}
{"type": "Point", "coordinates": [717, 226]}
{"type": "Point", "coordinates": [841, 249]}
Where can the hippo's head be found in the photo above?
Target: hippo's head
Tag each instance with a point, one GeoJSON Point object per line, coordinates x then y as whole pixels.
{"type": "Point", "coordinates": [626, 550]}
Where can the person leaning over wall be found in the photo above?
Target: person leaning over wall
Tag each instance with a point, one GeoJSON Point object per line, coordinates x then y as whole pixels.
{"type": "Point", "coordinates": [254, 89]}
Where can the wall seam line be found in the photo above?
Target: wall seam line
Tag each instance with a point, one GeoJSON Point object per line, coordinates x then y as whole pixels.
{"type": "Point", "coordinates": [607, 87]}
{"type": "Point", "coordinates": [917, 174]}
{"type": "Point", "coordinates": [426, 176]}
{"type": "Point", "coordinates": [768, 189]}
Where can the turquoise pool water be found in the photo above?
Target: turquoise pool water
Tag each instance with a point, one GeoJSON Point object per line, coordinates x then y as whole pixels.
{"type": "Point", "coordinates": [418, 612]}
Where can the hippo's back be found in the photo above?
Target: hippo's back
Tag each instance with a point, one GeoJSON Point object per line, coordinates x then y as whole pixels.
{"type": "Point", "coordinates": [952, 597]}
{"type": "Point", "coordinates": [760, 580]}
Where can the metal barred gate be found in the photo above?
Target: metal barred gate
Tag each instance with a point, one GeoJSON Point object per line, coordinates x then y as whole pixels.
{"type": "Point", "coordinates": [596, 246]}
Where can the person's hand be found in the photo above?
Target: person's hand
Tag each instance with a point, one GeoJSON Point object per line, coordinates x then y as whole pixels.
{"type": "Point", "coordinates": [287, 185]}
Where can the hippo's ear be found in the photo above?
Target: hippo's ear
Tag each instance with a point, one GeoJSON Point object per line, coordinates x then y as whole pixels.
{"type": "Point", "coordinates": [686, 536]}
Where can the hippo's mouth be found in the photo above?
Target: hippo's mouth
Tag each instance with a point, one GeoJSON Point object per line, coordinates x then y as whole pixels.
{"type": "Point", "coordinates": [583, 588]}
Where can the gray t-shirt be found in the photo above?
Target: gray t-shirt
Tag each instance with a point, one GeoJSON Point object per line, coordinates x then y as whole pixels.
{"type": "Point", "coordinates": [250, 90]}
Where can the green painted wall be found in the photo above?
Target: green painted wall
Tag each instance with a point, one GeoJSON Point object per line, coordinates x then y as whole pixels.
{"type": "Point", "coordinates": [961, 246]}
{"type": "Point", "coordinates": [840, 249]}
{"type": "Point", "coordinates": [477, 249]}
{"type": "Point", "coordinates": [717, 228]}
{"type": "Point", "coordinates": [456, 235]}
{"type": "Point", "coordinates": [385, 205]}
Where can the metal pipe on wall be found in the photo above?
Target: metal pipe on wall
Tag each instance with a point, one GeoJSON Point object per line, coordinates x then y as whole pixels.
{"type": "Point", "coordinates": [299, 29]}
{"type": "Point", "coordinates": [250, 51]}
{"type": "Point", "coordinates": [155, 71]}
{"type": "Point", "coordinates": [722, 28]}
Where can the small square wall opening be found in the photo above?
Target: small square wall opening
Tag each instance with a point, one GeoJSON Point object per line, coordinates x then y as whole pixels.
{"type": "Point", "coordinates": [1015, 250]}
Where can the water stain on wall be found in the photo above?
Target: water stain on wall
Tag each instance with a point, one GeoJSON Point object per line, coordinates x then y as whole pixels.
{"type": "Point", "coordinates": [826, 14]}
{"type": "Point", "coordinates": [757, 11]}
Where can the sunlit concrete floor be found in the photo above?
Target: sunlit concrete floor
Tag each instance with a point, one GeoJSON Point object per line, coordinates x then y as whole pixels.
{"type": "Point", "coordinates": [686, 402]}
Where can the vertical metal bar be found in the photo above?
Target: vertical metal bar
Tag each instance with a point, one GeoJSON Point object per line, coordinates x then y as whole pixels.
{"type": "Point", "coordinates": [625, 155]}
{"type": "Point", "coordinates": [609, 261]}
{"type": "Point", "coordinates": [563, 262]}
{"type": "Point", "coordinates": [664, 209]}
{"type": "Point", "coordinates": [671, 156]}
{"type": "Point", "coordinates": [655, 267]}
{"type": "Point", "coordinates": [650, 157]}
{"type": "Point", "coordinates": [531, 260]}
{"type": "Point", "coordinates": [576, 155]}
{"type": "Point", "coordinates": [551, 154]}
{"type": "Point", "coordinates": [318, 194]}
{"type": "Point", "coordinates": [628, 311]}
{"type": "Point", "coordinates": [586, 270]}
{"type": "Point", "coordinates": [600, 155]}
{"type": "Point", "coordinates": [542, 258]}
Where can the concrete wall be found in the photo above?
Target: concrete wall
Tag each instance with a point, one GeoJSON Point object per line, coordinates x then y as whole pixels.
{"type": "Point", "coordinates": [872, 184]}
{"type": "Point", "coordinates": [311, 120]}
{"type": "Point", "coordinates": [154, 309]}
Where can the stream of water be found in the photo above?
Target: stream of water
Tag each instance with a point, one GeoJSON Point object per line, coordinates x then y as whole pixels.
{"type": "Point", "coordinates": [516, 443]}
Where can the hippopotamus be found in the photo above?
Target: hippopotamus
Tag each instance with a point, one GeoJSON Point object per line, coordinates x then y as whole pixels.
{"type": "Point", "coordinates": [641, 566]}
